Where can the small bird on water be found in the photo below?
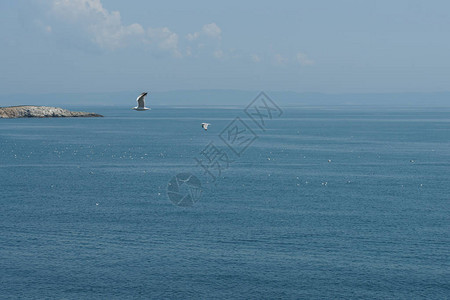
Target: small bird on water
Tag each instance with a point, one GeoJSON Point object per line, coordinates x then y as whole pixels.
{"type": "Point", "coordinates": [141, 102]}
{"type": "Point", "coordinates": [205, 126]}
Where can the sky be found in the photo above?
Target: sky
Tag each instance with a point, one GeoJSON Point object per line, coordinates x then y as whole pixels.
{"type": "Point", "coordinates": [326, 46]}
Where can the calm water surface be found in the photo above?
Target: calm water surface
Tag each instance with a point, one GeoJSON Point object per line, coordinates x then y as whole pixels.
{"type": "Point", "coordinates": [326, 203]}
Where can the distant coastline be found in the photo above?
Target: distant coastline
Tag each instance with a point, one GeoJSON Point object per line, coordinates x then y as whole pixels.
{"type": "Point", "coordinates": [32, 111]}
{"type": "Point", "coordinates": [241, 98]}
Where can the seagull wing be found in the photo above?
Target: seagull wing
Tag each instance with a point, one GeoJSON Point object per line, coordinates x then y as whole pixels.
{"type": "Point", "coordinates": [141, 100]}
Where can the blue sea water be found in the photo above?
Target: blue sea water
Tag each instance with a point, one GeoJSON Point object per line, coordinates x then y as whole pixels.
{"type": "Point", "coordinates": [344, 202]}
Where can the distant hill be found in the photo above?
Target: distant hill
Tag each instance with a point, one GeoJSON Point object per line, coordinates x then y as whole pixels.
{"type": "Point", "coordinates": [230, 97]}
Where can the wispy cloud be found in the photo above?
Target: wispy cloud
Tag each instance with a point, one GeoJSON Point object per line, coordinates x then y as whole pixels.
{"type": "Point", "coordinates": [303, 59]}
{"type": "Point", "coordinates": [209, 30]}
{"type": "Point", "coordinates": [165, 40]}
{"type": "Point", "coordinates": [193, 36]}
{"type": "Point", "coordinates": [104, 28]}
{"type": "Point", "coordinates": [212, 30]}
{"type": "Point", "coordinates": [207, 41]}
{"type": "Point", "coordinates": [91, 23]}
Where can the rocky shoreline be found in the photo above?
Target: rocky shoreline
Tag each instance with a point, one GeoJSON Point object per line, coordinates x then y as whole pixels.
{"type": "Point", "coordinates": [31, 111]}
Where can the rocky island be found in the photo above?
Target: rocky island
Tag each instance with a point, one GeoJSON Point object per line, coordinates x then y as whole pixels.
{"type": "Point", "coordinates": [31, 111]}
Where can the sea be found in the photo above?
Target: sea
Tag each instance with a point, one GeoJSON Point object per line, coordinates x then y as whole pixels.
{"type": "Point", "coordinates": [345, 202]}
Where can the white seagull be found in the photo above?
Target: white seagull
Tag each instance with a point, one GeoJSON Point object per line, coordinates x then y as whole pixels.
{"type": "Point", "coordinates": [141, 103]}
{"type": "Point", "coordinates": [205, 126]}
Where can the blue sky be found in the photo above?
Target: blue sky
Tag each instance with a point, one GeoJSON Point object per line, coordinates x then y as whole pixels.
{"type": "Point", "coordinates": [61, 46]}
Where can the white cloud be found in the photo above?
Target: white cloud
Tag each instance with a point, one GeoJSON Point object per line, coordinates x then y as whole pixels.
{"type": "Point", "coordinates": [75, 9]}
{"type": "Point", "coordinates": [212, 30]}
{"type": "Point", "coordinates": [303, 60]}
{"type": "Point", "coordinates": [207, 41]}
{"type": "Point", "coordinates": [209, 30]}
{"type": "Point", "coordinates": [193, 36]}
{"type": "Point", "coordinates": [164, 39]}
{"type": "Point", "coordinates": [106, 29]}
{"type": "Point", "coordinates": [103, 27]}
{"type": "Point", "coordinates": [87, 22]}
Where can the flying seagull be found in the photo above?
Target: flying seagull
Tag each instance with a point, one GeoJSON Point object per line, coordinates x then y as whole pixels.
{"type": "Point", "coordinates": [205, 126]}
{"type": "Point", "coordinates": [141, 102]}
